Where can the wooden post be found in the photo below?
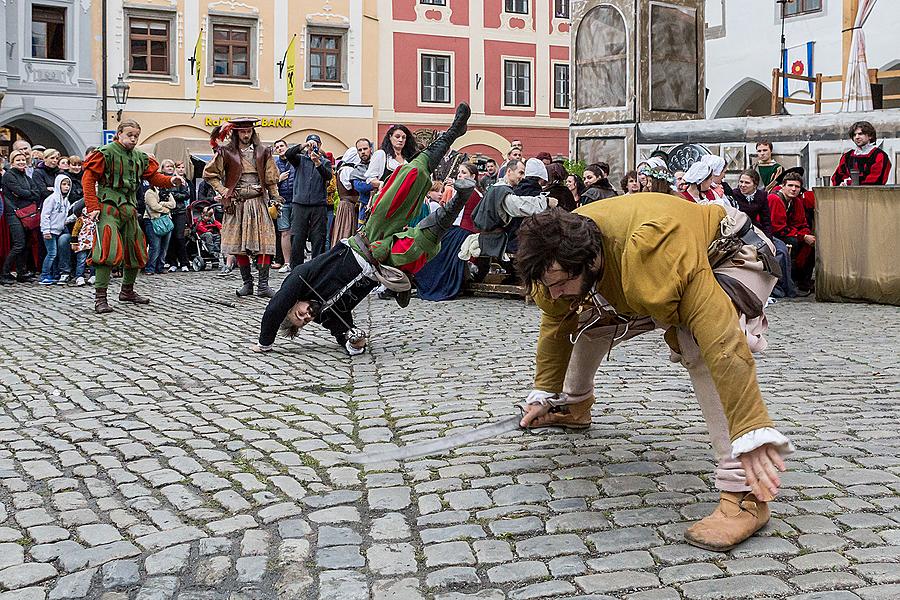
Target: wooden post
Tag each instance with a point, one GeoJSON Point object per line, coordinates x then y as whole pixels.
{"type": "Point", "coordinates": [775, 76]}
{"type": "Point", "coordinates": [849, 17]}
{"type": "Point", "coordinates": [818, 92]}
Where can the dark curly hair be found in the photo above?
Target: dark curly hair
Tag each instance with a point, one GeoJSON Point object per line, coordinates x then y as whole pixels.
{"type": "Point", "coordinates": [866, 128]}
{"type": "Point", "coordinates": [556, 236]}
{"type": "Point", "coordinates": [409, 147]}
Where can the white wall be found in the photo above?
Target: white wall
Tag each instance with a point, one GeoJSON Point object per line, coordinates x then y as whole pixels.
{"type": "Point", "coordinates": [751, 45]}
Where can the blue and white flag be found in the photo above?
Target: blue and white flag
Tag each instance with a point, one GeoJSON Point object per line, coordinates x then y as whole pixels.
{"type": "Point", "coordinates": [798, 60]}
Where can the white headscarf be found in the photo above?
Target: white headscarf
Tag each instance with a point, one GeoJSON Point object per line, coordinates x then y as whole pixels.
{"type": "Point", "coordinates": [716, 163]}
{"type": "Point", "coordinates": [535, 167]}
{"type": "Point", "coordinates": [697, 172]}
{"type": "Point", "coordinates": [655, 162]}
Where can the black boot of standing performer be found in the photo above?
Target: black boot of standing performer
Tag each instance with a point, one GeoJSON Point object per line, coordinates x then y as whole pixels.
{"type": "Point", "coordinates": [247, 277]}
{"type": "Point", "coordinates": [262, 288]}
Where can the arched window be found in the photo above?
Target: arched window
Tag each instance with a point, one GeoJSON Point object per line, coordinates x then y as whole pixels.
{"type": "Point", "coordinates": [749, 98]}
{"type": "Point", "coordinates": [601, 49]}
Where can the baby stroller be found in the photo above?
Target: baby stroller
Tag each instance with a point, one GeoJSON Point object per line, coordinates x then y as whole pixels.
{"type": "Point", "coordinates": [199, 254]}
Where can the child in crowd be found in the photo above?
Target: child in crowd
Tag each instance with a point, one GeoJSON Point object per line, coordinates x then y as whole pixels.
{"type": "Point", "coordinates": [83, 244]}
{"type": "Point", "coordinates": [53, 223]}
{"type": "Point", "coordinates": [209, 230]}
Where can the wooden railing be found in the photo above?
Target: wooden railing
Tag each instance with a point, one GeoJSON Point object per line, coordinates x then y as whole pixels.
{"type": "Point", "coordinates": [875, 76]}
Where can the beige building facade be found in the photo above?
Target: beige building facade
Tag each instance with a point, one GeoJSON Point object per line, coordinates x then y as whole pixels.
{"type": "Point", "coordinates": [151, 44]}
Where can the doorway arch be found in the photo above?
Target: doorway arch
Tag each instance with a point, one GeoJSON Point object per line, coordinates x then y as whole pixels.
{"type": "Point", "coordinates": [748, 98]}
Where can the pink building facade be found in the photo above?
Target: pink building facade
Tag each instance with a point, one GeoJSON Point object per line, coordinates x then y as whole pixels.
{"type": "Point", "coordinates": [509, 59]}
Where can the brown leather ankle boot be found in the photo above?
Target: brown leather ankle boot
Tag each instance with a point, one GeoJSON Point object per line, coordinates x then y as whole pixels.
{"type": "Point", "coordinates": [101, 305]}
{"type": "Point", "coordinates": [738, 516]}
{"type": "Point", "coordinates": [127, 294]}
{"type": "Point", "coordinates": [568, 416]}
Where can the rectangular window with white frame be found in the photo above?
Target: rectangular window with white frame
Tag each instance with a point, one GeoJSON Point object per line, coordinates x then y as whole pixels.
{"type": "Point", "coordinates": [519, 7]}
{"type": "Point", "coordinates": [326, 57]}
{"type": "Point", "coordinates": [435, 85]}
{"type": "Point", "coordinates": [151, 42]}
{"type": "Point", "coordinates": [800, 7]}
{"type": "Point", "coordinates": [232, 45]}
{"type": "Point", "coordinates": [48, 32]}
{"type": "Point", "coordinates": [561, 86]}
{"type": "Point", "coordinates": [516, 83]}
{"type": "Point", "coordinates": [561, 9]}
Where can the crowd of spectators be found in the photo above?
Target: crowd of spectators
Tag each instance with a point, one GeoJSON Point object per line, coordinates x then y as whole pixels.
{"type": "Point", "coordinates": [45, 228]}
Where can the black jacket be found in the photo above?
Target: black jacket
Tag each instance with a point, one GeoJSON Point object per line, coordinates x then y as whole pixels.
{"type": "Point", "coordinates": [77, 192]}
{"type": "Point", "coordinates": [19, 190]}
{"type": "Point", "coordinates": [310, 181]}
{"type": "Point", "coordinates": [756, 207]}
{"type": "Point", "coordinates": [564, 198]}
{"type": "Point", "coordinates": [601, 190]}
{"type": "Point", "coordinates": [181, 195]}
{"type": "Point", "coordinates": [529, 186]}
{"type": "Point", "coordinates": [46, 177]}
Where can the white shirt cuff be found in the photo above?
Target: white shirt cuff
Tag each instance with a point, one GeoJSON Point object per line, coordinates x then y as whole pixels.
{"type": "Point", "coordinates": [759, 437]}
{"type": "Point", "coordinates": [354, 351]}
{"type": "Point", "coordinates": [541, 397]}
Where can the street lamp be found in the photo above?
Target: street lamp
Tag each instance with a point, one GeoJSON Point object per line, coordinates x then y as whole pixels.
{"type": "Point", "coordinates": [120, 91]}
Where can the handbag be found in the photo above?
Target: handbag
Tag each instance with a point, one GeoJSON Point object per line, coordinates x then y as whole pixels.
{"type": "Point", "coordinates": [30, 216]}
{"type": "Point", "coordinates": [162, 225]}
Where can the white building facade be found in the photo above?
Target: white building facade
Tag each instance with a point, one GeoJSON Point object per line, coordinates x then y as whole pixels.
{"type": "Point", "coordinates": [48, 91]}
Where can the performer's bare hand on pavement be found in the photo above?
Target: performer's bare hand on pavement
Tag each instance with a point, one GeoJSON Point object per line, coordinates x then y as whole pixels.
{"type": "Point", "coordinates": [532, 412]}
{"type": "Point", "coordinates": [761, 467]}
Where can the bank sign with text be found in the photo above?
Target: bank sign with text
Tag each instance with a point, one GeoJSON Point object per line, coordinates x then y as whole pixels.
{"type": "Point", "coordinates": [263, 121]}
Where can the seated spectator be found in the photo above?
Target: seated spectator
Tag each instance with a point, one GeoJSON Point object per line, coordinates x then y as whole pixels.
{"type": "Point", "coordinates": [210, 230]}
{"type": "Point", "coordinates": [598, 186]}
{"type": "Point", "coordinates": [768, 169]}
{"type": "Point", "coordinates": [789, 225]}
{"type": "Point", "coordinates": [576, 185]}
{"type": "Point", "coordinates": [631, 183]}
{"type": "Point", "coordinates": [867, 164]}
{"type": "Point", "coordinates": [699, 181]}
{"type": "Point", "coordinates": [53, 222]}
{"type": "Point", "coordinates": [753, 200]}
{"type": "Point", "coordinates": [442, 277]}
{"type": "Point", "coordinates": [657, 176]}
{"type": "Point", "coordinates": [556, 189]}
{"type": "Point", "coordinates": [83, 244]}
{"type": "Point", "coordinates": [719, 187]}
{"type": "Point", "coordinates": [157, 211]}
{"type": "Point", "coordinates": [434, 196]}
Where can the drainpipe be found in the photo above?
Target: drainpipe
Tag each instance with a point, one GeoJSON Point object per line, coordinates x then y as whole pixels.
{"type": "Point", "coordinates": [104, 82]}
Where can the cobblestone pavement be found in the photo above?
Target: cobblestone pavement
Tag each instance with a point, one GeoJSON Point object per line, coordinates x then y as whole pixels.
{"type": "Point", "coordinates": [154, 457]}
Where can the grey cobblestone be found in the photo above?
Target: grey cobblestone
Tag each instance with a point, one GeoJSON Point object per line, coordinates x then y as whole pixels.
{"type": "Point", "coordinates": [221, 476]}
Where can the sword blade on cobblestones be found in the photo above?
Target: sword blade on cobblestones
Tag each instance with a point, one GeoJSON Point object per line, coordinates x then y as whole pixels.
{"type": "Point", "coordinates": [444, 444]}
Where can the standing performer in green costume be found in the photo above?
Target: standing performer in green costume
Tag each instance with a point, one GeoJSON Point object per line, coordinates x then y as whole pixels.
{"type": "Point", "coordinates": [326, 289]}
{"type": "Point", "coordinates": [112, 176]}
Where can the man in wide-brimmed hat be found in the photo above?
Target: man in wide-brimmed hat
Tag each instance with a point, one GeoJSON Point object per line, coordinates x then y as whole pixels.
{"type": "Point", "coordinates": [245, 175]}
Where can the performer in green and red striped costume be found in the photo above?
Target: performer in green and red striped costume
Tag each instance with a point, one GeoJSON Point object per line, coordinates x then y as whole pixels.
{"type": "Point", "coordinates": [391, 240]}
